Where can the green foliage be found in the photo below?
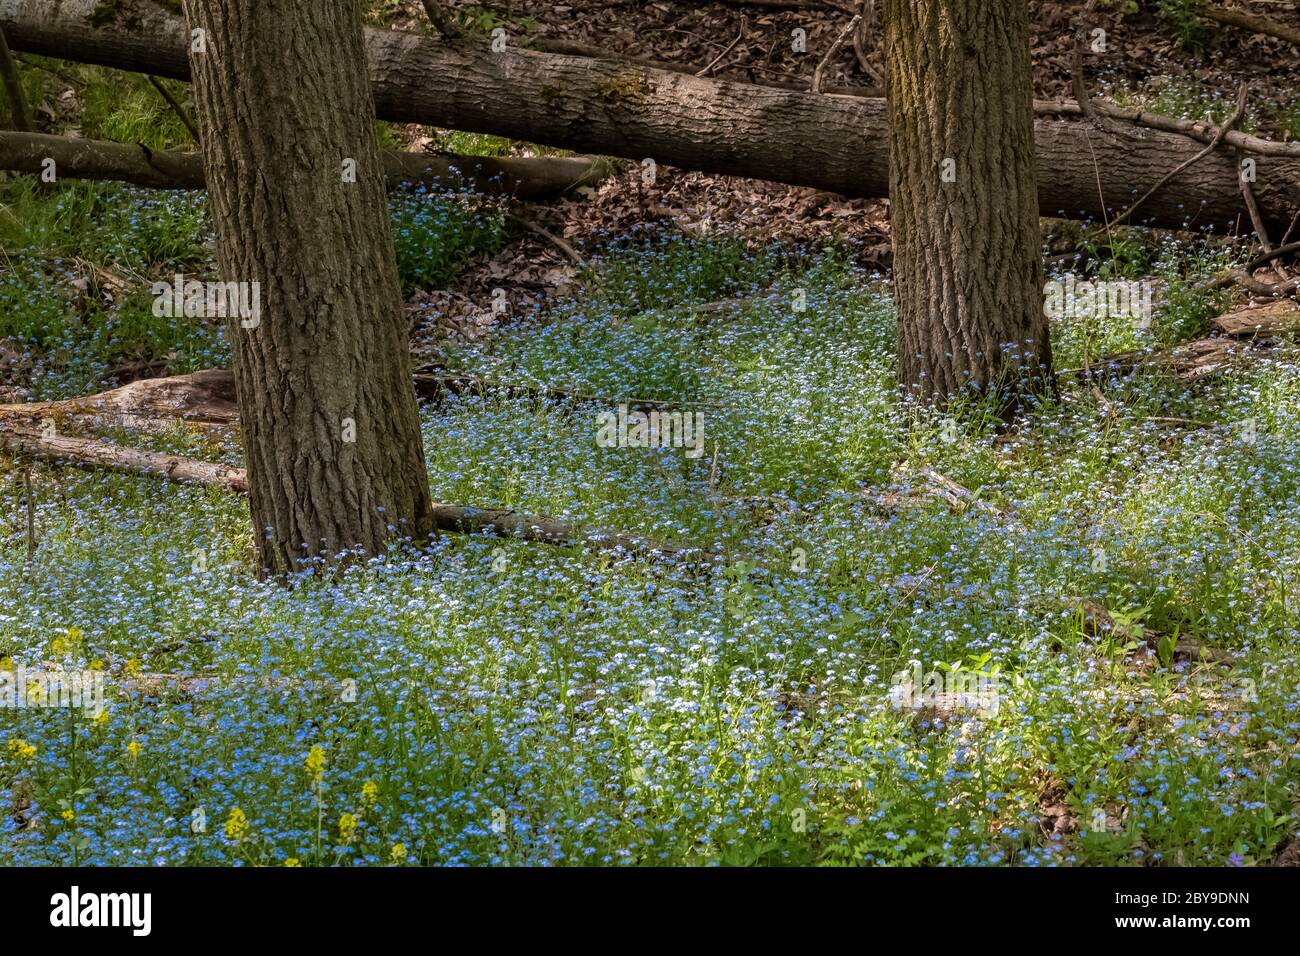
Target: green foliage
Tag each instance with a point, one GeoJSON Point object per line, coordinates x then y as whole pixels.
{"type": "Point", "coordinates": [662, 273]}
{"type": "Point", "coordinates": [1183, 18]}
{"type": "Point", "coordinates": [473, 144]}
{"type": "Point", "coordinates": [138, 229]}
{"type": "Point", "coordinates": [125, 108]}
{"type": "Point", "coordinates": [1290, 121]}
{"type": "Point", "coordinates": [436, 233]}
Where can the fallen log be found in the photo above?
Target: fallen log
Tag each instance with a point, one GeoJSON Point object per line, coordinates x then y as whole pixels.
{"type": "Point", "coordinates": [829, 142]}
{"type": "Point", "coordinates": [32, 442]}
{"type": "Point", "coordinates": [1189, 361]}
{"type": "Point", "coordinates": [1231, 343]}
{"type": "Point", "coordinates": [523, 177]}
{"type": "Point", "coordinates": [1272, 318]}
{"type": "Point", "coordinates": [1248, 21]}
{"type": "Point", "coordinates": [208, 398]}
{"type": "Point", "coordinates": [205, 398]}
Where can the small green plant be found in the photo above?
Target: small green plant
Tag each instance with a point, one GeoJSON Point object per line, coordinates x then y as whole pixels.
{"type": "Point", "coordinates": [1184, 20]}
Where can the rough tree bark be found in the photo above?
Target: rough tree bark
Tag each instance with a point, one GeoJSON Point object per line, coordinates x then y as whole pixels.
{"type": "Point", "coordinates": [836, 143]}
{"type": "Point", "coordinates": [963, 204]}
{"type": "Point", "coordinates": [330, 426]}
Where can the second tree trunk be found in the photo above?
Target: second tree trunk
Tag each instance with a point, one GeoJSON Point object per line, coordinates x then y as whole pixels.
{"type": "Point", "coordinates": [963, 200]}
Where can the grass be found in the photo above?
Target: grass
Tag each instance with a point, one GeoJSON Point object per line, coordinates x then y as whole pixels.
{"type": "Point", "coordinates": [77, 265]}
{"type": "Point", "coordinates": [1185, 23]}
{"type": "Point", "coordinates": [480, 701]}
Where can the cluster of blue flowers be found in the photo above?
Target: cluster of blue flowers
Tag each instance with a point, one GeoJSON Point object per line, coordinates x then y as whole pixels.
{"type": "Point", "coordinates": [472, 700]}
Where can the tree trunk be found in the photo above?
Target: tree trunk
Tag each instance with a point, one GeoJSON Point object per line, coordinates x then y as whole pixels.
{"type": "Point", "coordinates": [329, 421]}
{"type": "Point", "coordinates": [968, 282]}
{"type": "Point", "coordinates": [836, 143]}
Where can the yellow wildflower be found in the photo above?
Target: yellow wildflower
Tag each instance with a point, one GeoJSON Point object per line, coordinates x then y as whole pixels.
{"type": "Point", "coordinates": [237, 825]}
{"type": "Point", "coordinates": [69, 815]}
{"type": "Point", "coordinates": [132, 668]}
{"type": "Point", "coordinates": [133, 749]}
{"type": "Point", "coordinates": [293, 861]}
{"type": "Point", "coordinates": [66, 641]}
{"type": "Point", "coordinates": [347, 827]}
{"type": "Point", "coordinates": [369, 793]}
{"type": "Point", "coordinates": [315, 764]}
{"type": "Point", "coordinates": [22, 749]}
{"type": "Point", "coordinates": [397, 855]}
{"type": "Point", "coordinates": [101, 718]}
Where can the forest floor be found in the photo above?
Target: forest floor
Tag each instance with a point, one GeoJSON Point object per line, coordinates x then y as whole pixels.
{"type": "Point", "coordinates": [1113, 584]}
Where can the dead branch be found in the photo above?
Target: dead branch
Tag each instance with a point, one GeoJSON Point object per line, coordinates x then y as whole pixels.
{"type": "Point", "coordinates": [718, 59]}
{"type": "Point", "coordinates": [32, 442]}
{"type": "Point", "coordinates": [517, 176]}
{"type": "Point", "coordinates": [1248, 21]}
{"type": "Point", "coordinates": [442, 21]}
{"type": "Point", "coordinates": [176, 107]}
{"type": "Point", "coordinates": [14, 87]}
{"type": "Point", "coordinates": [537, 229]}
{"type": "Point", "coordinates": [1228, 278]}
{"type": "Point", "coordinates": [1201, 130]}
{"type": "Point", "coordinates": [1257, 223]}
{"type": "Point", "coordinates": [1252, 285]}
{"type": "Point", "coordinates": [207, 398]}
{"type": "Point", "coordinates": [960, 498]}
{"type": "Point", "coordinates": [1232, 121]}
{"type": "Point", "coordinates": [830, 54]}
{"type": "Point", "coordinates": [860, 41]}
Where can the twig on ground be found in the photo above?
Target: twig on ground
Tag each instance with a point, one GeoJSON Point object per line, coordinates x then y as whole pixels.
{"type": "Point", "coordinates": [176, 106]}
{"type": "Point", "coordinates": [718, 59]}
{"type": "Point", "coordinates": [1234, 275]}
{"type": "Point", "coordinates": [830, 54]}
{"type": "Point", "coordinates": [570, 253]}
